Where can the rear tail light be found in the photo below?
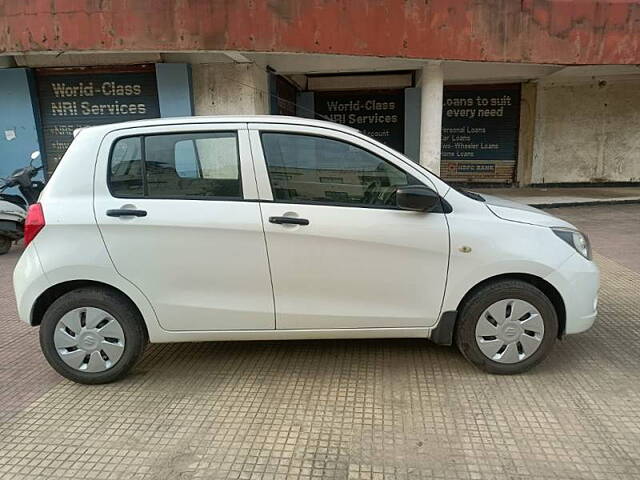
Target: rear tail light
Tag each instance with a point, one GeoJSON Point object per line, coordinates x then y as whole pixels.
{"type": "Point", "coordinates": [33, 223]}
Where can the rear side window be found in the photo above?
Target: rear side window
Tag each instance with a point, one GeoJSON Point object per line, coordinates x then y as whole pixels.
{"type": "Point", "coordinates": [185, 165]}
{"type": "Point", "coordinates": [313, 169]}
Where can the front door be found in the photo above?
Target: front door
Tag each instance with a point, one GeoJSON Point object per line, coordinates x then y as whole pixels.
{"type": "Point", "coordinates": [342, 255]}
{"type": "Point", "coordinates": [180, 220]}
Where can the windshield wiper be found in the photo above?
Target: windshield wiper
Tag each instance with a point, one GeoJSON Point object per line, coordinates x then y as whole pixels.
{"type": "Point", "coordinates": [474, 195]}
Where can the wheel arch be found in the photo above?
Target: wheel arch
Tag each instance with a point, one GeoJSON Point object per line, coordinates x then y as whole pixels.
{"type": "Point", "coordinates": [51, 294]}
{"type": "Point", "coordinates": [541, 284]}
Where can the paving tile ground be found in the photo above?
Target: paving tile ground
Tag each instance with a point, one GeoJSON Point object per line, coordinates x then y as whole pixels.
{"type": "Point", "coordinates": [377, 409]}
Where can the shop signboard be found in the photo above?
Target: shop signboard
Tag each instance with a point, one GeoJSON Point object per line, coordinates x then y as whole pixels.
{"type": "Point", "coordinates": [480, 132]}
{"type": "Point", "coordinates": [376, 113]}
{"type": "Point", "coordinates": [70, 99]}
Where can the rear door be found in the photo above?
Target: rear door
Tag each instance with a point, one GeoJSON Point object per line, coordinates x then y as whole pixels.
{"type": "Point", "coordinates": [342, 254]}
{"type": "Point", "coordinates": [177, 210]}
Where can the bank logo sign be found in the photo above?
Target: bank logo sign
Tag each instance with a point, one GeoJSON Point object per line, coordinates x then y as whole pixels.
{"type": "Point", "coordinates": [73, 100]}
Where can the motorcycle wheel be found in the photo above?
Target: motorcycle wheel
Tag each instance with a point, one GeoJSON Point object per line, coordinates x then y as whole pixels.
{"type": "Point", "coordinates": [5, 245]}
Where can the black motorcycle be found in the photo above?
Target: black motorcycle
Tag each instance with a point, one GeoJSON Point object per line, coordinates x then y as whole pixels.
{"type": "Point", "coordinates": [13, 208]}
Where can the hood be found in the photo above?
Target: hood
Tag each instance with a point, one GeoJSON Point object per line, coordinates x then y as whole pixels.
{"type": "Point", "coordinates": [521, 213]}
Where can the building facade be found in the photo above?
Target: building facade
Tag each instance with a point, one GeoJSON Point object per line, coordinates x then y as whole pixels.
{"type": "Point", "coordinates": [495, 92]}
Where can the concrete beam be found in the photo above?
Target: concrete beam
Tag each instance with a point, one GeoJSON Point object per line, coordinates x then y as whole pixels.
{"type": "Point", "coordinates": [527, 31]}
{"type": "Point", "coordinates": [238, 57]}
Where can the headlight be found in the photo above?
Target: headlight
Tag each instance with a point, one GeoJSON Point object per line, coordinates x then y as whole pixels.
{"type": "Point", "coordinates": [576, 239]}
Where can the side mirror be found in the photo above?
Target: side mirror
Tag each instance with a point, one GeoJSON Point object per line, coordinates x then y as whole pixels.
{"type": "Point", "coordinates": [417, 198]}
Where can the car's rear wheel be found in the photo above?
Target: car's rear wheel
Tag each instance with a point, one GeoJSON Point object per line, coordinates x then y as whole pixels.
{"type": "Point", "coordinates": [507, 327]}
{"type": "Point", "coordinates": [92, 335]}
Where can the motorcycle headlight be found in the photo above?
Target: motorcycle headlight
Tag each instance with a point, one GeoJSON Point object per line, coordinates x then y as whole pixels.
{"type": "Point", "coordinates": [578, 240]}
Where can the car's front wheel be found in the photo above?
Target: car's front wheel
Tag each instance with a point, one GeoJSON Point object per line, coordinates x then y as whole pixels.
{"type": "Point", "coordinates": [92, 335]}
{"type": "Point", "coordinates": [507, 327]}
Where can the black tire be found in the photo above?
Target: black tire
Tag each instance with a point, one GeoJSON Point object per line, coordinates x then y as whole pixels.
{"type": "Point", "coordinates": [117, 306]}
{"type": "Point", "coordinates": [5, 244]}
{"type": "Point", "coordinates": [473, 308]}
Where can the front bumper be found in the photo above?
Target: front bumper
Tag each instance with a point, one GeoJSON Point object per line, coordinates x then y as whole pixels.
{"type": "Point", "coordinates": [577, 280]}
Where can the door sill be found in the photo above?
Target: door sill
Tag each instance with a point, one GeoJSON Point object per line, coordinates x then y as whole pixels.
{"type": "Point", "coordinates": [166, 336]}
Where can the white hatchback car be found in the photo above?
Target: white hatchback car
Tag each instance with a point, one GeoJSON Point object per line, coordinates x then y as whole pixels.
{"type": "Point", "coordinates": [260, 228]}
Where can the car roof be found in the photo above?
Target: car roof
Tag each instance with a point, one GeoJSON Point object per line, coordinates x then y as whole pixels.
{"type": "Point", "coordinates": [280, 119]}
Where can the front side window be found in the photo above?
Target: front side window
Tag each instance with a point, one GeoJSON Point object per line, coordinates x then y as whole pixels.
{"type": "Point", "coordinates": [313, 169]}
{"type": "Point", "coordinates": [185, 165]}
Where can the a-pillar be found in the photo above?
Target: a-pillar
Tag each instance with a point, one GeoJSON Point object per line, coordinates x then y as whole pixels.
{"type": "Point", "coordinates": [431, 84]}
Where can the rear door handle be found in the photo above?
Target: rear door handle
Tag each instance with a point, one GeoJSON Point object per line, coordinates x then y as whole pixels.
{"type": "Point", "coordinates": [126, 212]}
{"type": "Point", "coordinates": [289, 220]}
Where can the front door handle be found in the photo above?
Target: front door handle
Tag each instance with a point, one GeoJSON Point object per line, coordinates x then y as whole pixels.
{"type": "Point", "coordinates": [289, 220]}
{"type": "Point", "coordinates": [126, 212]}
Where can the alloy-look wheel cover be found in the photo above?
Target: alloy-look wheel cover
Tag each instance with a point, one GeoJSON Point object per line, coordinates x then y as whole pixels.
{"type": "Point", "coordinates": [509, 331]}
{"type": "Point", "coordinates": [89, 339]}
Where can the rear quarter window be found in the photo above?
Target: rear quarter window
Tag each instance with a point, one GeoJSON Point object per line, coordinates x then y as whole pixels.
{"type": "Point", "coordinates": [125, 168]}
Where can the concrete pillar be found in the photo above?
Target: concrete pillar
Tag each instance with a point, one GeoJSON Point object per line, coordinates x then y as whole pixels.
{"type": "Point", "coordinates": [230, 89]}
{"type": "Point", "coordinates": [526, 136]}
{"type": "Point", "coordinates": [431, 116]}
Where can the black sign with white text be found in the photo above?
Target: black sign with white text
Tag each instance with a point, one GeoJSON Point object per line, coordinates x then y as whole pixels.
{"type": "Point", "coordinates": [378, 114]}
{"type": "Point", "coordinates": [480, 123]}
{"type": "Point", "coordinates": [73, 100]}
